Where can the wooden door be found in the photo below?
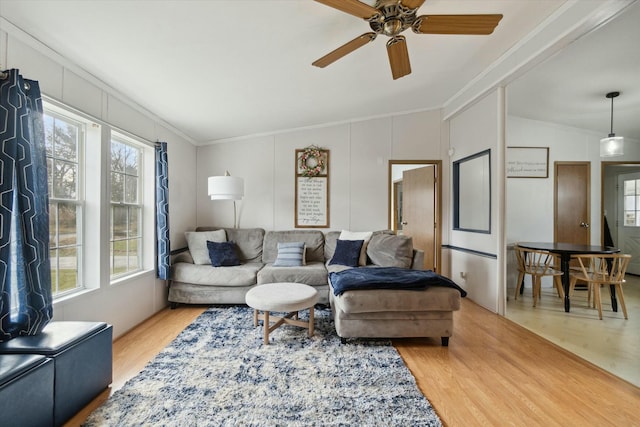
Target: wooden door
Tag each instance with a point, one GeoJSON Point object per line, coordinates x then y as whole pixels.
{"type": "Point", "coordinates": [572, 211]}
{"type": "Point", "coordinates": [419, 211]}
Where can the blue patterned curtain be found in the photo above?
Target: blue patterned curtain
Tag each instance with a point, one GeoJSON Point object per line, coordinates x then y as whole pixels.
{"type": "Point", "coordinates": [25, 274]}
{"type": "Point", "coordinates": [162, 211]}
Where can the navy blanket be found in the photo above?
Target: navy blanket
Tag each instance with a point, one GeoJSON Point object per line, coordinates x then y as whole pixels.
{"type": "Point", "coordinates": [388, 278]}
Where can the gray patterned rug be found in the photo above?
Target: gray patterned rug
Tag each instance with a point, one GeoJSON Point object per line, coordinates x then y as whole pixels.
{"type": "Point", "coordinates": [218, 373]}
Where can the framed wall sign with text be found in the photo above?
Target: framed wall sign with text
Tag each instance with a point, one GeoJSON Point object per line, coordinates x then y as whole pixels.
{"type": "Point", "coordinates": [312, 188]}
{"type": "Point", "coordinates": [527, 162]}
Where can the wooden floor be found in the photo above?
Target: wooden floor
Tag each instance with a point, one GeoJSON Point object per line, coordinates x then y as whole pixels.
{"type": "Point", "coordinates": [494, 373]}
{"type": "Point", "coordinates": [612, 343]}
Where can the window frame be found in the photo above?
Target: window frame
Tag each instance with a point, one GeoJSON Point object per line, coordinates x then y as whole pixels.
{"type": "Point", "coordinates": [140, 147]}
{"type": "Point", "coordinates": [94, 267]}
{"type": "Point", "coordinates": [59, 113]}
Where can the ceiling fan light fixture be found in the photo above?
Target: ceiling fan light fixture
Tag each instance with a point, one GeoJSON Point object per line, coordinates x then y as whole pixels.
{"type": "Point", "coordinates": [612, 145]}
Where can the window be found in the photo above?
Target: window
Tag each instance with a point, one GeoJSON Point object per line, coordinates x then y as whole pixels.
{"type": "Point", "coordinates": [632, 203]}
{"type": "Point", "coordinates": [64, 139]}
{"type": "Point", "coordinates": [98, 187]}
{"type": "Point", "coordinates": [126, 206]}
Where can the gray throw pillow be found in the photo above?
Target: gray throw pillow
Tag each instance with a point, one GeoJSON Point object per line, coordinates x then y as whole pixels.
{"type": "Point", "coordinates": [390, 250]}
{"type": "Point", "coordinates": [197, 242]}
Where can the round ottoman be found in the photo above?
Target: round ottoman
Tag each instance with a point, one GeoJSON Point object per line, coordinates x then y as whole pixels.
{"type": "Point", "coordinates": [281, 297]}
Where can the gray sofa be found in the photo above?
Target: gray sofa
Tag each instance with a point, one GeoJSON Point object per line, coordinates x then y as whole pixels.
{"type": "Point", "coordinates": [385, 313]}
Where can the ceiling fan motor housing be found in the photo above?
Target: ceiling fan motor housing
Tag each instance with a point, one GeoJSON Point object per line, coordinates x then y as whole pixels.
{"type": "Point", "coordinates": [393, 19]}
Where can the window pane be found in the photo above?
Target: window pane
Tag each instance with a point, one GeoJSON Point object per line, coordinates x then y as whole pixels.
{"type": "Point", "coordinates": [118, 257]}
{"type": "Point", "coordinates": [68, 273]}
{"type": "Point", "coordinates": [629, 203]}
{"type": "Point", "coordinates": [134, 221]}
{"type": "Point", "coordinates": [131, 189]}
{"type": "Point", "coordinates": [629, 218]}
{"type": "Point", "coordinates": [48, 134]}
{"type": "Point", "coordinates": [629, 187]}
{"type": "Point", "coordinates": [64, 179]}
{"type": "Point", "coordinates": [637, 186]}
{"type": "Point", "coordinates": [118, 156]}
{"type": "Point", "coordinates": [119, 222]}
{"type": "Point", "coordinates": [50, 176]}
{"type": "Point", "coordinates": [66, 140]}
{"type": "Point", "coordinates": [134, 258]}
{"type": "Point", "coordinates": [53, 225]}
{"type": "Point", "coordinates": [132, 161]}
{"type": "Point", "coordinates": [53, 260]}
{"type": "Point", "coordinates": [68, 223]}
{"type": "Point", "coordinates": [117, 187]}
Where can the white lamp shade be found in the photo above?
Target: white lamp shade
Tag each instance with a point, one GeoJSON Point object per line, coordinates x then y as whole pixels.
{"type": "Point", "coordinates": [612, 146]}
{"type": "Point", "coordinates": [225, 187]}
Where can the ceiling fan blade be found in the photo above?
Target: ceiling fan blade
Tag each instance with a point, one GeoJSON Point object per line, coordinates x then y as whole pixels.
{"type": "Point", "coordinates": [352, 7]}
{"type": "Point", "coordinates": [456, 24]}
{"type": "Point", "coordinates": [345, 49]}
{"type": "Point", "coordinates": [398, 57]}
{"type": "Point", "coordinates": [412, 4]}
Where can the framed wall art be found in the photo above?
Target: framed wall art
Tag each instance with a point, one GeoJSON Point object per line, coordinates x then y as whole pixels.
{"type": "Point", "coordinates": [527, 162]}
{"type": "Point", "coordinates": [312, 188]}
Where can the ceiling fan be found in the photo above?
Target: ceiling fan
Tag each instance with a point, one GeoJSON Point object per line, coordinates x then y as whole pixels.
{"type": "Point", "coordinates": [391, 17]}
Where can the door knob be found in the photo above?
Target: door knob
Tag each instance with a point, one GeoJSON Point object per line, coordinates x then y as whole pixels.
{"type": "Point", "coordinates": [404, 223]}
{"type": "Point", "coordinates": [584, 225]}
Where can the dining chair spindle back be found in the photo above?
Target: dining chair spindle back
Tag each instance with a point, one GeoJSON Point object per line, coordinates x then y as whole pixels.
{"type": "Point", "coordinates": [597, 271]}
{"type": "Point", "coordinates": [537, 264]}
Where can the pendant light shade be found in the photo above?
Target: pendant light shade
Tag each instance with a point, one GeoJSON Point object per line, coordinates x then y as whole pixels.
{"type": "Point", "coordinates": [612, 145]}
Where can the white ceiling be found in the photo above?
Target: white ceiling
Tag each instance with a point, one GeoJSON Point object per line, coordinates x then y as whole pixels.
{"type": "Point", "coordinates": [570, 87]}
{"type": "Point", "coordinates": [223, 69]}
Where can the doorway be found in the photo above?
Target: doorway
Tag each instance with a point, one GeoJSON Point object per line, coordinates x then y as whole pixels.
{"type": "Point", "coordinates": [415, 205]}
{"type": "Point", "coordinates": [620, 209]}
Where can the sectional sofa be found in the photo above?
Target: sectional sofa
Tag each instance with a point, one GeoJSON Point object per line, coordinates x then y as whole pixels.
{"type": "Point", "coordinates": [388, 313]}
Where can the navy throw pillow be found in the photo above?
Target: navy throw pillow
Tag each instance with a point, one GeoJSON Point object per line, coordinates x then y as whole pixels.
{"type": "Point", "coordinates": [347, 252]}
{"type": "Point", "coordinates": [223, 254]}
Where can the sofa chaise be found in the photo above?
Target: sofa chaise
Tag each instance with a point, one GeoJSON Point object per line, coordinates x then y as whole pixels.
{"type": "Point", "coordinates": [379, 313]}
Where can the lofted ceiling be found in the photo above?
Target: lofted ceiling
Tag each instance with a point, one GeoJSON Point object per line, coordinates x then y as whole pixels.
{"type": "Point", "coordinates": [570, 88]}
{"type": "Point", "coordinates": [217, 69]}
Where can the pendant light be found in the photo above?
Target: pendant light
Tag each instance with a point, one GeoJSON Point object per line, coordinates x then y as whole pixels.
{"type": "Point", "coordinates": [612, 145]}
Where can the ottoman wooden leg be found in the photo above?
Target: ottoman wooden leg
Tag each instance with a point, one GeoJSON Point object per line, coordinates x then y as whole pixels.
{"type": "Point", "coordinates": [311, 321]}
{"type": "Point", "coordinates": [266, 327]}
{"type": "Point", "coordinates": [255, 317]}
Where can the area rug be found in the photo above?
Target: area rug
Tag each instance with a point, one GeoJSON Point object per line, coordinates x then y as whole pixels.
{"type": "Point", "coordinates": [217, 372]}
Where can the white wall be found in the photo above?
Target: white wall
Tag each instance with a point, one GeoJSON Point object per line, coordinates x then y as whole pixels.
{"type": "Point", "coordinates": [474, 256]}
{"type": "Point", "coordinates": [126, 304]}
{"type": "Point", "coordinates": [529, 201]}
{"type": "Point", "coordinates": [358, 170]}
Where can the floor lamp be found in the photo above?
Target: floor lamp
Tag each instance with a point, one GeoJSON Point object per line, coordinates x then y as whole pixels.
{"type": "Point", "coordinates": [227, 187]}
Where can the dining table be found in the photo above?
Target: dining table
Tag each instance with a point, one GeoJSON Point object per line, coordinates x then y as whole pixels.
{"type": "Point", "coordinates": [565, 251]}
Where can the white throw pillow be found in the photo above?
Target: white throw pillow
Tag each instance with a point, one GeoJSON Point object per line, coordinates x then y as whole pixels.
{"type": "Point", "coordinates": [358, 235]}
{"type": "Point", "coordinates": [197, 242]}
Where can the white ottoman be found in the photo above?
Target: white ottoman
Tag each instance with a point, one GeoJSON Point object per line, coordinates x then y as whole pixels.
{"type": "Point", "coordinates": [281, 297]}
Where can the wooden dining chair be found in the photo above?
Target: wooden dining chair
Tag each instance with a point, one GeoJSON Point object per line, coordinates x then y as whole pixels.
{"type": "Point", "coordinates": [598, 271]}
{"type": "Point", "coordinates": [537, 264]}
